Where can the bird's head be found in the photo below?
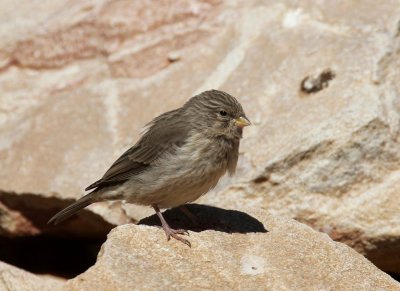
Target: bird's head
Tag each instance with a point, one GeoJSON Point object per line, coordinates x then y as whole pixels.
{"type": "Point", "coordinates": [217, 113]}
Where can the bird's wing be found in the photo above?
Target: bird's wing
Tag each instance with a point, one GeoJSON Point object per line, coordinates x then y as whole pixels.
{"type": "Point", "coordinates": [165, 134]}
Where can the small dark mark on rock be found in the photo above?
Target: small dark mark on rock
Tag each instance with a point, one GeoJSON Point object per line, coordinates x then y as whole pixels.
{"type": "Point", "coordinates": [260, 179]}
{"type": "Point", "coordinates": [313, 84]}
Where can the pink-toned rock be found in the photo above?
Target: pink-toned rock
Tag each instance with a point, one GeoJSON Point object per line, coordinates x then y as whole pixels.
{"type": "Point", "coordinates": [319, 81]}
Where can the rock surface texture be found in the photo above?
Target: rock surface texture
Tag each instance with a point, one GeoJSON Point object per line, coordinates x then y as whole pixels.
{"type": "Point", "coordinates": [12, 278]}
{"type": "Point", "coordinates": [290, 256]}
{"type": "Point", "coordinates": [319, 80]}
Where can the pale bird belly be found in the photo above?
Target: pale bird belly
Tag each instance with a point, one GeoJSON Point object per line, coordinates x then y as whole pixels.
{"type": "Point", "coordinates": [172, 184]}
{"type": "Point", "coordinates": [168, 191]}
{"type": "Point", "coordinates": [181, 178]}
{"type": "Point", "coordinates": [187, 190]}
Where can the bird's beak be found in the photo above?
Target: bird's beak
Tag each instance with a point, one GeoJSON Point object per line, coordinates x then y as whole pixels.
{"type": "Point", "coordinates": [242, 122]}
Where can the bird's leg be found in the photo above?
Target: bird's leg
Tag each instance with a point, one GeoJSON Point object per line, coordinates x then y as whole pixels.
{"type": "Point", "coordinates": [189, 214]}
{"type": "Point", "coordinates": [169, 231]}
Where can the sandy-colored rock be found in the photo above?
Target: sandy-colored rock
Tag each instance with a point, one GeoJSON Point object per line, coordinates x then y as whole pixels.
{"type": "Point", "coordinates": [290, 256]}
{"type": "Point", "coordinates": [12, 278]}
{"type": "Point", "coordinates": [319, 80]}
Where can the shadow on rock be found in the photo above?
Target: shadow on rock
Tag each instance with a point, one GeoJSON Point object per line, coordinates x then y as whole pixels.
{"type": "Point", "coordinates": [208, 218]}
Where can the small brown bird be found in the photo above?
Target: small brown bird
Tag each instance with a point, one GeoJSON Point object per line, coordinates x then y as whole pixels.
{"type": "Point", "coordinates": [181, 156]}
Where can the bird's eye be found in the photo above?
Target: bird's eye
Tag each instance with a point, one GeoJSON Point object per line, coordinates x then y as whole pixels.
{"type": "Point", "coordinates": [222, 112]}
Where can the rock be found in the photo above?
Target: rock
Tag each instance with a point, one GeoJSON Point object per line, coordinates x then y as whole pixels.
{"type": "Point", "coordinates": [328, 158]}
{"type": "Point", "coordinates": [289, 256]}
{"type": "Point", "coordinates": [347, 189]}
{"type": "Point", "coordinates": [319, 81]}
{"type": "Point", "coordinates": [12, 278]}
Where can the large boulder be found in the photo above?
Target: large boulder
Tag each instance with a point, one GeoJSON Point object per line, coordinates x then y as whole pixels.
{"type": "Point", "coordinates": [236, 254]}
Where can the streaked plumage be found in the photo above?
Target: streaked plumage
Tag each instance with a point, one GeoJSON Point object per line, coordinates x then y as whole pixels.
{"type": "Point", "coordinates": [181, 156]}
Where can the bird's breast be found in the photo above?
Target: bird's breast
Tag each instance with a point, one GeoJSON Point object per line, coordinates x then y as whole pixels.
{"type": "Point", "coordinates": [191, 171]}
{"type": "Point", "coordinates": [202, 161]}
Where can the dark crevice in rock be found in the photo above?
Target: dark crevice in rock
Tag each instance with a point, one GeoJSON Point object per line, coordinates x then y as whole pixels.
{"type": "Point", "coordinates": [27, 214]}
{"type": "Point", "coordinates": [395, 276]}
{"type": "Point", "coordinates": [44, 254]}
{"type": "Point", "coordinates": [28, 242]}
{"type": "Point", "coordinates": [385, 254]}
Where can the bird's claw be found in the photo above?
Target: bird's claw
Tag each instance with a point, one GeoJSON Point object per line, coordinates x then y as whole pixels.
{"type": "Point", "coordinates": [175, 234]}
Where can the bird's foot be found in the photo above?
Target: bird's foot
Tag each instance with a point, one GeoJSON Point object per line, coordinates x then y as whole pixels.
{"type": "Point", "coordinates": [170, 232]}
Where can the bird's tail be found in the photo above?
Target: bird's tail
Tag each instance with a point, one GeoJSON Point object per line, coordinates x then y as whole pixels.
{"type": "Point", "coordinates": [72, 209]}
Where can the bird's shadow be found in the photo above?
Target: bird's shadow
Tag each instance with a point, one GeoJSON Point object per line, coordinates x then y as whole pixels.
{"type": "Point", "coordinates": [208, 218]}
